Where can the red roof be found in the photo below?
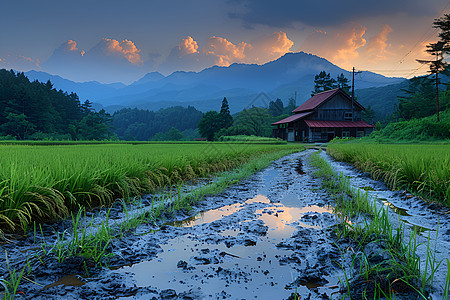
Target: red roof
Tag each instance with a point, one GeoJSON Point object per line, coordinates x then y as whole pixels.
{"type": "Point", "coordinates": [293, 118]}
{"type": "Point", "coordinates": [343, 124]}
{"type": "Point", "coordinates": [320, 98]}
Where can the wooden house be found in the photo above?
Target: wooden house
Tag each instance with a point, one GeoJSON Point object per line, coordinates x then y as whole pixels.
{"type": "Point", "coordinates": [323, 117]}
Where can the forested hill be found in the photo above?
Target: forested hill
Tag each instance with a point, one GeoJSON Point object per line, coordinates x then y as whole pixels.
{"type": "Point", "coordinates": [35, 110]}
{"type": "Point", "coordinates": [171, 123]}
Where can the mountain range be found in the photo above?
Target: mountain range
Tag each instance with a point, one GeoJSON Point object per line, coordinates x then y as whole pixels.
{"type": "Point", "coordinates": [291, 74]}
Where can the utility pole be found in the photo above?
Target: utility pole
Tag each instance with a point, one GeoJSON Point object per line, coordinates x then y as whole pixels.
{"type": "Point", "coordinates": [295, 97]}
{"type": "Point", "coordinates": [437, 93]}
{"type": "Point", "coordinates": [353, 93]}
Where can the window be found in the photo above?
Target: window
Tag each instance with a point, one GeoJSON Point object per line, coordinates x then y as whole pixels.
{"type": "Point", "coordinates": [345, 134]}
{"type": "Point", "coordinates": [348, 115]}
{"type": "Point", "coordinates": [359, 133]}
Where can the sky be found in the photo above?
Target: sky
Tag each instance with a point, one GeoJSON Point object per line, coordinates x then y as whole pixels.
{"type": "Point", "coordinates": [120, 41]}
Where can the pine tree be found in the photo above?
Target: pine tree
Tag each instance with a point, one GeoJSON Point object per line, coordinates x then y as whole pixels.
{"type": "Point", "coordinates": [323, 82]}
{"type": "Point", "coordinates": [225, 115]}
{"type": "Point", "coordinates": [343, 83]}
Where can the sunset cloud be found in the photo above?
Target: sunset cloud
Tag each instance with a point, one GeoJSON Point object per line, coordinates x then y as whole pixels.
{"type": "Point", "coordinates": [270, 47]}
{"type": "Point", "coordinates": [377, 46]}
{"type": "Point", "coordinates": [222, 52]}
{"type": "Point", "coordinates": [126, 49]}
{"type": "Point", "coordinates": [187, 46]}
{"type": "Point", "coordinates": [341, 47]}
{"type": "Point", "coordinates": [19, 62]}
{"type": "Point", "coordinates": [225, 52]}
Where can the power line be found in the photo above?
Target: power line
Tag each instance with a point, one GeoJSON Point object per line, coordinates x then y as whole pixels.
{"type": "Point", "coordinates": [423, 38]}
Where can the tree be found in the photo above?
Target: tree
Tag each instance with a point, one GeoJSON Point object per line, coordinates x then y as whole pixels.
{"type": "Point", "coordinates": [368, 115]}
{"type": "Point", "coordinates": [292, 105]}
{"type": "Point", "coordinates": [174, 134]}
{"type": "Point", "coordinates": [323, 82]}
{"type": "Point", "coordinates": [276, 108]}
{"type": "Point", "coordinates": [256, 119]}
{"type": "Point", "coordinates": [17, 125]}
{"type": "Point", "coordinates": [225, 115]}
{"type": "Point", "coordinates": [210, 124]}
{"type": "Point", "coordinates": [343, 83]}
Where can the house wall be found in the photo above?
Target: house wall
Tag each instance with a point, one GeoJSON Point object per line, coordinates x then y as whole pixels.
{"type": "Point", "coordinates": [335, 109]}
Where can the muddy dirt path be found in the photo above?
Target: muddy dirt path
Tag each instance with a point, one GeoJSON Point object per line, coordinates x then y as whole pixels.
{"type": "Point", "coordinates": [267, 237]}
{"type": "Point", "coordinates": [432, 221]}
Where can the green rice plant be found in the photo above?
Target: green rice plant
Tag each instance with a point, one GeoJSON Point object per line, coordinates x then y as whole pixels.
{"type": "Point", "coordinates": [421, 169]}
{"type": "Point", "coordinates": [40, 182]}
{"type": "Point", "coordinates": [404, 265]}
{"type": "Point", "coordinates": [12, 284]}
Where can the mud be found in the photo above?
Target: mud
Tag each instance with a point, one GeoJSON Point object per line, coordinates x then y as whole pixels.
{"type": "Point", "coordinates": [269, 237]}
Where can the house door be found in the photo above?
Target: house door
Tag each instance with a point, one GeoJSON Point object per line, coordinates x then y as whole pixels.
{"type": "Point", "coordinates": [330, 136]}
{"type": "Point", "coordinates": [291, 136]}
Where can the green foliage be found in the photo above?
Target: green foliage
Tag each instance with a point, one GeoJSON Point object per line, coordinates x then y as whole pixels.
{"type": "Point", "coordinates": [172, 135]}
{"type": "Point", "coordinates": [415, 130]}
{"type": "Point", "coordinates": [225, 115]}
{"type": "Point", "coordinates": [378, 126]}
{"type": "Point", "coordinates": [343, 83]}
{"type": "Point", "coordinates": [213, 122]}
{"type": "Point", "coordinates": [43, 183]}
{"type": "Point", "coordinates": [257, 120]}
{"type": "Point", "coordinates": [234, 130]}
{"type": "Point", "coordinates": [424, 169]}
{"type": "Point", "coordinates": [368, 115]}
{"type": "Point", "coordinates": [210, 124]}
{"type": "Point", "coordinates": [290, 107]}
{"type": "Point", "coordinates": [323, 82]}
{"type": "Point", "coordinates": [276, 108]}
{"type": "Point", "coordinates": [251, 138]}
{"type": "Point", "coordinates": [143, 125]}
{"type": "Point", "coordinates": [29, 110]}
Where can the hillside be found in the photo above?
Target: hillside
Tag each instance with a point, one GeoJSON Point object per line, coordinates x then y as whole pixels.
{"type": "Point", "coordinates": [240, 83]}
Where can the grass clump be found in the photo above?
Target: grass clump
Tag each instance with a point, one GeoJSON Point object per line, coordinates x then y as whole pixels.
{"type": "Point", "coordinates": [44, 183]}
{"type": "Point", "coordinates": [251, 139]}
{"type": "Point", "coordinates": [421, 169]}
{"type": "Point", "coordinates": [382, 265]}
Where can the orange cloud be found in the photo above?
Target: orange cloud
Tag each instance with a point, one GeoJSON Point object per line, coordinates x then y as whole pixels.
{"type": "Point", "coordinates": [225, 51]}
{"type": "Point", "coordinates": [126, 49]}
{"type": "Point", "coordinates": [340, 47]}
{"type": "Point", "coordinates": [270, 47]}
{"type": "Point", "coordinates": [377, 46]}
{"type": "Point", "coordinates": [70, 45]}
{"type": "Point", "coordinates": [20, 62]}
{"type": "Point", "coordinates": [187, 46]}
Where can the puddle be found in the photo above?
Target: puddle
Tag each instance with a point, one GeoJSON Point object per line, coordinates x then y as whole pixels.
{"type": "Point", "coordinates": [396, 209]}
{"type": "Point", "coordinates": [217, 214]}
{"type": "Point", "coordinates": [280, 218]}
{"type": "Point", "coordinates": [299, 167]}
{"type": "Point", "coordinates": [232, 266]}
{"type": "Point", "coordinates": [71, 280]}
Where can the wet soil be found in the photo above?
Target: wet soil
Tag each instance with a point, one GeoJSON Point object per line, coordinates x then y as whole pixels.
{"type": "Point", "coordinates": [430, 220]}
{"type": "Point", "coordinates": [269, 237]}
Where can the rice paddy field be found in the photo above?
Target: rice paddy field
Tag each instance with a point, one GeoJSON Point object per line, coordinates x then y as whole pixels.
{"type": "Point", "coordinates": [46, 182]}
{"type": "Point", "coordinates": [421, 169]}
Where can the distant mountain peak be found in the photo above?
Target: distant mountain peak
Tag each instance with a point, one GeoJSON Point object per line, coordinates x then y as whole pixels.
{"type": "Point", "coordinates": [149, 77]}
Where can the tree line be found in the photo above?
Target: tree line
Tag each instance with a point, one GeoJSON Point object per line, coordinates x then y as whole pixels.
{"type": "Point", "coordinates": [173, 123]}
{"type": "Point", "coordinates": [35, 110]}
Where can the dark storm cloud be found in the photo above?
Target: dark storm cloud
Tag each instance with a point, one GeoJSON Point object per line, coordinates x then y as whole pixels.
{"type": "Point", "coordinates": [283, 13]}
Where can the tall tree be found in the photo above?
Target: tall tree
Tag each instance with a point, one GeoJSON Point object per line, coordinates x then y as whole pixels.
{"type": "Point", "coordinates": [257, 120]}
{"type": "Point", "coordinates": [292, 104]}
{"type": "Point", "coordinates": [210, 124]}
{"type": "Point", "coordinates": [323, 82]}
{"type": "Point", "coordinates": [343, 83]}
{"type": "Point", "coordinates": [225, 115]}
{"type": "Point", "coordinates": [276, 107]}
